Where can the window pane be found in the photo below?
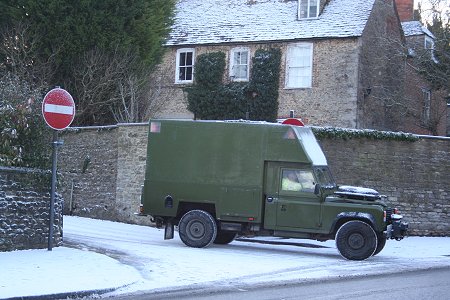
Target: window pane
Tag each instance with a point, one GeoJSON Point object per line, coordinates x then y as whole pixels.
{"type": "Point", "coordinates": [241, 72]}
{"type": "Point", "coordinates": [297, 180]}
{"type": "Point", "coordinates": [303, 9]}
{"type": "Point", "coordinates": [182, 73]}
{"type": "Point", "coordinates": [244, 57]}
{"type": "Point", "coordinates": [189, 59]}
{"type": "Point", "coordinates": [182, 59]}
{"type": "Point", "coordinates": [313, 9]}
{"type": "Point", "coordinates": [188, 73]}
{"type": "Point", "coordinates": [236, 58]}
{"type": "Point", "coordinates": [324, 177]}
{"type": "Point", "coordinates": [290, 181]}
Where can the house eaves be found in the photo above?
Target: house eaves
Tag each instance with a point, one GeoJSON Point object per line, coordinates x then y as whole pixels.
{"type": "Point", "coordinates": [202, 22]}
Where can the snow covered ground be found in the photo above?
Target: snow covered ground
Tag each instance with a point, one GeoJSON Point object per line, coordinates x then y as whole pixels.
{"type": "Point", "coordinates": [123, 258]}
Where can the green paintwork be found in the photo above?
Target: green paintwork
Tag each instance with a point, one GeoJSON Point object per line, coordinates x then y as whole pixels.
{"type": "Point", "coordinates": [236, 168]}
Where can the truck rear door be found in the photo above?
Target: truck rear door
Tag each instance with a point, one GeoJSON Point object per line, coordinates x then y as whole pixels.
{"type": "Point", "coordinates": [290, 202]}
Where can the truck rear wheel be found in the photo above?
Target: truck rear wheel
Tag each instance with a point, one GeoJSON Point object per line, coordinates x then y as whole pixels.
{"type": "Point", "coordinates": [197, 228]}
{"type": "Point", "coordinates": [356, 240]}
{"type": "Point", "coordinates": [224, 237]}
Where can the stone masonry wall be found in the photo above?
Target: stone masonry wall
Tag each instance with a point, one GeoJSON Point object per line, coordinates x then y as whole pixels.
{"type": "Point", "coordinates": [24, 210]}
{"type": "Point", "coordinates": [132, 154]}
{"type": "Point", "coordinates": [103, 170]}
{"type": "Point", "coordinates": [88, 164]}
{"type": "Point", "coordinates": [415, 175]}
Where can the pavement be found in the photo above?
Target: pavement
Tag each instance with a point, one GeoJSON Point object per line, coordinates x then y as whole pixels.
{"type": "Point", "coordinates": [112, 259]}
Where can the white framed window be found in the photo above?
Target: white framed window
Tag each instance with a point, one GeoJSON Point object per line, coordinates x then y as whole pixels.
{"type": "Point", "coordinates": [429, 46]}
{"type": "Point", "coordinates": [185, 65]}
{"type": "Point", "coordinates": [308, 9]}
{"type": "Point", "coordinates": [239, 64]}
{"type": "Point", "coordinates": [299, 58]}
{"type": "Point", "coordinates": [429, 43]}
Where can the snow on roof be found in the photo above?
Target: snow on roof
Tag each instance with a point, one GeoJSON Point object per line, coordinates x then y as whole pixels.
{"type": "Point", "coordinates": [232, 21]}
{"type": "Point", "coordinates": [415, 28]}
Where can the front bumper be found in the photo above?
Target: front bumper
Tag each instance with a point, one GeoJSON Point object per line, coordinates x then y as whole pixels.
{"type": "Point", "coordinates": [397, 230]}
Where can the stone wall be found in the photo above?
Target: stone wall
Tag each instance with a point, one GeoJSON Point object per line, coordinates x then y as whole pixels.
{"type": "Point", "coordinates": [24, 210]}
{"type": "Point", "coordinates": [415, 175]}
{"type": "Point", "coordinates": [103, 170]}
{"type": "Point", "coordinates": [132, 154]}
{"type": "Point", "coordinates": [88, 164]}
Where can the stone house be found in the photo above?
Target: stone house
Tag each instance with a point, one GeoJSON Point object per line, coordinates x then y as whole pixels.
{"type": "Point", "coordinates": [429, 110]}
{"type": "Point", "coordinates": [343, 61]}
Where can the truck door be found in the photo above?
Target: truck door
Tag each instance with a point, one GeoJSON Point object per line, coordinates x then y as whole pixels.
{"type": "Point", "coordinates": [290, 199]}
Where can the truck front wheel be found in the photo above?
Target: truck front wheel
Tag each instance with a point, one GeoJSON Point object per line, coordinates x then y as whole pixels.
{"type": "Point", "coordinates": [356, 240]}
{"type": "Point", "coordinates": [197, 228]}
{"type": "Point", "coordinates": [381, 243]}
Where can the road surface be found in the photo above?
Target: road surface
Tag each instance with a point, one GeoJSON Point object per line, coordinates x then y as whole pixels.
{"type": "Point", "coordinates": [416, 285]}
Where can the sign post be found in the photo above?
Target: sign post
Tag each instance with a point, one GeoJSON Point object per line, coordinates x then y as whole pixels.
{"type": "Point", "coordinates": [58, 109]}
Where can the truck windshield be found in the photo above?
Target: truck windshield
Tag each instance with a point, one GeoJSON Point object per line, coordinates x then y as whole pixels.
{"type": "Point", "coordinates": [324, 177]}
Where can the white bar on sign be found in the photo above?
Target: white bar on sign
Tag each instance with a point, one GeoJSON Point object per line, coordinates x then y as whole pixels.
{"type": "Point", "coordinates": [58, 109]}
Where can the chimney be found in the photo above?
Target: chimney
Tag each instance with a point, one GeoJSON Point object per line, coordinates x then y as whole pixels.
{"type": "Point", "coordinates": [405, 10]}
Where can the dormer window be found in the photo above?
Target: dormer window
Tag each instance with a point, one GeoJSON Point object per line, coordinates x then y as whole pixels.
{"type": "Point", "coordinates": [308, 9]}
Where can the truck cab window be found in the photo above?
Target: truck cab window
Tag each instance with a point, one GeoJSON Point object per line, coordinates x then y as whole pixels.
{"type": "Point", "coordinates": [324, 177]}
{"type": "Point", "coordinates": [295, 180]}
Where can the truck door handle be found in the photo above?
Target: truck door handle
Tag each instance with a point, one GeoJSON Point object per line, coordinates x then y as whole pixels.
{"type": "Point", "coordinates": [283, 207]}
{"type": "Point", "coordinates": [271, 199]}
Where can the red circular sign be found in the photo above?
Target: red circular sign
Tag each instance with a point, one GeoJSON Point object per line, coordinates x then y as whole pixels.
{"type": "Point", "coordinates": [58, 109]}
{"type": "Point", "coordinates": [292, 121]}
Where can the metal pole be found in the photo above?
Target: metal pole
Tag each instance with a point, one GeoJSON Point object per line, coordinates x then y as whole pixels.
{"type": "Point", "coordinates": [53, 190]}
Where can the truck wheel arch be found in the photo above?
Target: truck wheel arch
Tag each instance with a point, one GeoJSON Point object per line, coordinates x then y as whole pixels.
{"type": "Point", "coordinates": [344, 217]}
{"type": "Point", "coordinates": [184, 207]}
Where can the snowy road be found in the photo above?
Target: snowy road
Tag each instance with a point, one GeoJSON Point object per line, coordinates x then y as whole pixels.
{"type": "Point", "coordinates": [162, 265]}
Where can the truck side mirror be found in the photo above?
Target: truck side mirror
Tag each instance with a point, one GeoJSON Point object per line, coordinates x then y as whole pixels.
{"type": "Point", "coordinates": [317, 189]}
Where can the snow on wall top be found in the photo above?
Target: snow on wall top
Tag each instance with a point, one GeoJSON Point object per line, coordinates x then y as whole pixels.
{"type": "Point", "coordinates": [415, 28]}
{"type": "Point", "coordinates": [231, 21]}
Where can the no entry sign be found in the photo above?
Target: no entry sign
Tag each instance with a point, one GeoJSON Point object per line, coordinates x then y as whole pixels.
{"type": "Point", "coordinates": [293, 121]}
{"type": "Point", "coordinates": [58, 109]}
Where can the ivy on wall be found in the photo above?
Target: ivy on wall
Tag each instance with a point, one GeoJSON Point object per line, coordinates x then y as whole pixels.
{"type": "Point", "coordinates": [24, 138]}
{"type": "Point", "coordinates": [209, 98]}
{"type": "Point", "coordinates": [344, 133]}
{"type": "Point", "coordinates": [264, 84]}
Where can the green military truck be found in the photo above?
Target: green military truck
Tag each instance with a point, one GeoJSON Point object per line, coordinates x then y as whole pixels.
{"type": "Point", "coordinates": [216, 180]}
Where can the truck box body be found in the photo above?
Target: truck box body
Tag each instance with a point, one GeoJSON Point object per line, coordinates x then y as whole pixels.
{"type": "Point", "coordinates": [212, 163]}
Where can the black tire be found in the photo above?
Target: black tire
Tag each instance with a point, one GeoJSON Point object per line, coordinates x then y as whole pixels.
{"type": "Point", "coordinates": [224, 237]}
{"type": "Point", "coordinates": [381, 243]}
{"type": "Point", "coordinates": [197, 228]}
{"type": "Point", "coordinates": [356, 240]}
